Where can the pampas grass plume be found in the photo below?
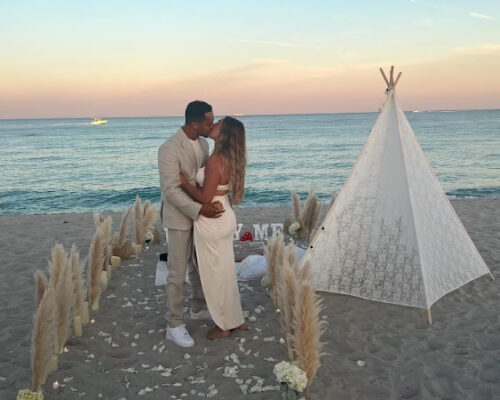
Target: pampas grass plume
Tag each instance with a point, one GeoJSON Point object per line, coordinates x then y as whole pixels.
{"type": "Point", "coordinates": [76, 273]}
{"type": "Point", "coordinates": [281, 297]}
{"type": "Point", "coordinates": [307, 330]}
{"type": "Point", "coordinates": [124, 227]}
{"type": "Point", "coordinates": [297, 206]}
{"type": "Point", "coordinates": [126, 251]}
{"type": "Point", "coordinates": [56, 264]}
{"type": "Point", "coordinates": [291, 255]}
{"type": "Point", "coordinates": [106, 241]}
{"type": "Point", "coordinates": [95, 262]}
{"type": "Point", "coordinates": [145, 207]}
{"type": "Point", "coordinates": [156, 236]}
{"type": "Point", "coordinates": [314, 217]}
{"type": "Point", "coordinates": [42, 285]}
{"type": "Point", "coordinates": [307, 215]}
{"type": "Point", "coordinates": [290, 284]}
{"type": "Point", "coordinates": [304, 272]}
{"type": "Point", "coordinates": [150, 218]}
{"type": "Point", "coordinates": [44, 337]}
{"type": "Point", "coordinates": [64, 297]}
{"type": "Point", "coordinates": [138, 221]}
{"type": "Point", "coordinates": [274, 256]}
{"type": "Point", "coordinates": [98, 220]}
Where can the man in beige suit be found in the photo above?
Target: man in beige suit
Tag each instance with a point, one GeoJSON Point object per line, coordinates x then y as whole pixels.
{"type": "Point", "coordinates": [185, 153]}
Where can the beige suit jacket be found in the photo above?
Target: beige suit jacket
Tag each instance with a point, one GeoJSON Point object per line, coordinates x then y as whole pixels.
{"type": "Point", "coordinates": [176, 155]}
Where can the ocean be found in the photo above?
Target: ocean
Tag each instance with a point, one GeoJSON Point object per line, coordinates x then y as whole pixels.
{"type": "Point", "coordinates": [67, 165]}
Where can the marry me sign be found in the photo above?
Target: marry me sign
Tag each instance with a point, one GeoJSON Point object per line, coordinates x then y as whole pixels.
{"type": "Point", "coordinates": [259, 231]}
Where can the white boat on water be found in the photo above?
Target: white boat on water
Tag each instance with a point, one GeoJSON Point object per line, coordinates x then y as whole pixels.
{"type": "Point", "coordinates": [98, 121]}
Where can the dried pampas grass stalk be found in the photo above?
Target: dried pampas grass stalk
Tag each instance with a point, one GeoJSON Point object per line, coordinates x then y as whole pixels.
{"type": "Point", "coordinates": [281, 297]}
{"type": "Point", "coordinates": [145, 207]}
{"type": "Point", "coordinates": [156, 236]}
{"type": "Point", "coordinates": [290, 284]}
{"type": "Point", "coordinates": [291, 255]}
{"type": "Point", "coordinates": [313, 223]}
{"type": "Point", "coordinates": [138, 221]}
{"type": "Point", "coordinates": [297, 206]}
{"type": "Point", "coordinates": [56, 264]}
{"type": "Point", "coordinates": [98, 220]}
{"type": "Point", "coordinates": [150, 218]}
{"type": "Point", "coordinates": [304, 272]}
{"type": "Point", "coordinates": [286, 225]}
{"type": "Point", "coordinates": [42, 285]}
{"type": "Point", "coordinates": [126, 251]}
{"type": "Point", "coordinates": [274, 255]}
{"type": "Point", "coordinates": [96, 255]}
{"type": "Point", "coordinates": [307, 215]}
{"type": "Point", "coordinates": [307, 330]}
{"type": "Point", "coordinates": [122, 236]}
{"type": "Point", "coordinates": [76, 273]}
{"type": "Point", "coordinates": [78, 291]}
{"type": "Point", "coordinates": [64, 297]}
{"type": "Point", "coordinates": [106, 240]}
{"type": "Point", "coordinates": [44, 337]}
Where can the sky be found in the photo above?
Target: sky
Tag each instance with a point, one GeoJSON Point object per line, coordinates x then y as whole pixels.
{"type": "Point", "coordinates": [86, 58]}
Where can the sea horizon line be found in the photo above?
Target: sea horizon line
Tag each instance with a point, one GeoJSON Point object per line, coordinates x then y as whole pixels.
{"type": "Point", "coordinates": [245, 115]}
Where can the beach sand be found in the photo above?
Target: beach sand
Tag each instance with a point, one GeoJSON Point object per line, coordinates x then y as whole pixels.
{"type": "Point", "coordinates": [374, 350]}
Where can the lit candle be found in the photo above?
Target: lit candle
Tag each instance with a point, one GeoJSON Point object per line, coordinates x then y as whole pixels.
{"type": "Point", "coordinates": [104, 281]}
{"type": "Point", "coordinates": [95, 304]}
{"type": "Point", "coordinates": [66, 349]}
{"type": "Point", "coordinates": [85, 313]}
{"type": "Point", "coordinates": [282, 340]}
{"type": "Point", "coordinates": [137, 248]}
{"type": "Point", "coordinates": [56, 385]}
{"type": "Point", "coordinates": [115, 262]}
{"type": "Point", "coordinates": [92, 321]}
{"type": "Point", "coordinates": [78, 326]}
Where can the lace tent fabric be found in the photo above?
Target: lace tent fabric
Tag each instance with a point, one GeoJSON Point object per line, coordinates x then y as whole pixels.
{"type": "Point", "coordinates": [392, 235]}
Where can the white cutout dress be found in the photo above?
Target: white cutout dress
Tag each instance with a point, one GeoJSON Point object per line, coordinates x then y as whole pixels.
{"type": "Point", "coordinates": [213, 239]}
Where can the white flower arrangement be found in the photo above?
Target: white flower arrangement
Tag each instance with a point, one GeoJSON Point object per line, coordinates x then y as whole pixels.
{"type": "Point", "coordinates": [290, 374]}
{"type": "Point", "coordinates": [148, 236]}
{"type": "Point", "coordinates": [294, 228]}
{"type": "Point", "coordinates": [27, 394]}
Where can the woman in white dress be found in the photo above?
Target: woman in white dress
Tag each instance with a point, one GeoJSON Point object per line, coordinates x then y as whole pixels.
{"type": "Point", "coordinates": [213, 237]}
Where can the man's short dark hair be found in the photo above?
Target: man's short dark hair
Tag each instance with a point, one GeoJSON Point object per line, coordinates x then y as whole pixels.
{"type": "Point", "coordinates": [196, 110]}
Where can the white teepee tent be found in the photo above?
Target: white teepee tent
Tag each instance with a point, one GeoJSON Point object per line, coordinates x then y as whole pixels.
{"type": "Point", "coordinates": [392, 235]}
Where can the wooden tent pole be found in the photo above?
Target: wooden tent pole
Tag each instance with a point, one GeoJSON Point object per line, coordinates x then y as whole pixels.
{"type": "Point", "coordinates": [385, 77]}
{"type": "Point", "coordinates": [392, 77]}
{"type": "Point", "coordinates": [429, 316]}
{"type": "Point", "coordinates": [397, 79]}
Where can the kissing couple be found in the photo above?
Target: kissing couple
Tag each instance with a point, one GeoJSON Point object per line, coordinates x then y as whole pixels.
{"type": "Point", "coordinates": [197, 212]}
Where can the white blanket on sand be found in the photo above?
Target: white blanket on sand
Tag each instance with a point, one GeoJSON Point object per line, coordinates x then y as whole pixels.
{"type": "Point", "coordinates": [251, 267]}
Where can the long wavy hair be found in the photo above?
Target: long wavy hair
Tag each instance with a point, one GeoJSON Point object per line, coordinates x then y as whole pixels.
{"type": "Point", "coordinates": [231, 146]}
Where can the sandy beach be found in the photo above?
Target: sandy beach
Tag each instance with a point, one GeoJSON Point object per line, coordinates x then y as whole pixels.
{"type": "Point", "coordinates": [373, 350]}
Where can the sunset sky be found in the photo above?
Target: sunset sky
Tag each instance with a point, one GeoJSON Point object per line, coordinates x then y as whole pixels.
{"type": "Point", "coordinates": [128, 58]}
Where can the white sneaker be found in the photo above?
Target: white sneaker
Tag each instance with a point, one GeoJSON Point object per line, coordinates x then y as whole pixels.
{"type": "Point", "coordinates": [180, 336]}
{"type": "Point", "coordinates": [201, 315]}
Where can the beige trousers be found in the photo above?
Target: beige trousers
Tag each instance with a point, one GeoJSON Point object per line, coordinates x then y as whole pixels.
{"type": "Point", "coordinates": [180, 258]}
